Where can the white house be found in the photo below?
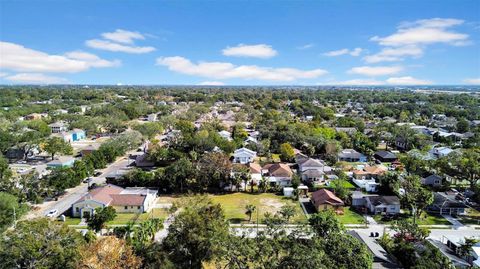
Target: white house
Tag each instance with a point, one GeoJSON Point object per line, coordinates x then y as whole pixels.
{"type": "Point", "coordinates": [383, 204]}
{"type": "Point", "coordinates": [244, 156]}
{"type": "Point", "coordinates": [369, 185]}
{"type": "Point", "coordinates": [225, 135]}
{"type": "Point", "coordinates": [129, 200]}
{"type": "Point", "coordinates": [58, 127]}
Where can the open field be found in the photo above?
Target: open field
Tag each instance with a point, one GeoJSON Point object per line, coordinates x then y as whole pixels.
{"type": "Point", "coordinates": [124, 218]}
{"type": "Point", "coordinates": [234, 206]}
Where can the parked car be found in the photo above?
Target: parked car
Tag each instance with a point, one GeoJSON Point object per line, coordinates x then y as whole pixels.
{"type": "Point", "coordinates": [52, 213]}
{"type": "Point", "coordinates": [97, 173]}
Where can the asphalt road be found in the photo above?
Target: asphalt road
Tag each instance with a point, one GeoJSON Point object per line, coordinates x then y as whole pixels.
{"type": "Point", "coordinates": [72, 195]}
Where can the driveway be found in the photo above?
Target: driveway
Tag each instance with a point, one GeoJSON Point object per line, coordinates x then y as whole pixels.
{"type": "Point", "coordinates": [456, 224]}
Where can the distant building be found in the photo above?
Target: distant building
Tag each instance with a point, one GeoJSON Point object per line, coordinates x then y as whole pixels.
{"type": "Point", "coordinates": [152, 117]}
{"type": "Point", "coordinates": [376, 204]}
{"type": "Point", "coordinates": [58, 127]}
{"type": "Point", "coordinates": [432, 180]}
{"type": "Point", "coordinates": [33, 116]}
{"type": "Point", "coordinates": [351, 155]}
{"type": "Point", "coordinates": [61, 162]}
{"type": "Point", "coordinates": [244, 156]}
{"type": "Point", "coordinates": [225, 135]}
{"type": "Point", "coordinates": [385, 156]}
{"type": "Point", "coordinates": [445, 203]}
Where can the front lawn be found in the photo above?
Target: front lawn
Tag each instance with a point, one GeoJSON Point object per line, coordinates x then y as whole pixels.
{"type": "Point", "coordinates": [234, 204]}
{"type": "Point", "coordinates": [350, 217]}
{"type": "Point", "coordinates": [124, 218]}
{"type": "Point", "coordinates": [472, 217]}
{"type": "Point", "coordinates": [70, 221]}
{"type": "Point", "coordinates": [424, 219]}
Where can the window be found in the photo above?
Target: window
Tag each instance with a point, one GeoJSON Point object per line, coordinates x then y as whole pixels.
{"type": "Point", "coordinates": [138, 207]}
{"type": "Point", "coordinates": [77, 209]}
{"type": "Point", "coordinates": [126, 207]}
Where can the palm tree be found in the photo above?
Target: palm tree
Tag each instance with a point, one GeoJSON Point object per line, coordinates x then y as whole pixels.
{"type": "Point", "coordinates": [249, 209]}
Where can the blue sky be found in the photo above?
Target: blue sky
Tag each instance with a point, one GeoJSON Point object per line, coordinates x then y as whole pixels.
{"type": "Point", "coordinates": [240, 42]}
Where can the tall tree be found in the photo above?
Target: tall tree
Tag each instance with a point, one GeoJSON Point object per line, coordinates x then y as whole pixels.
{"type": "Point", "coordinates": [56, 145]}
{"type": "Point", "coordinates": [102, 215]}
{"type": "Point", "coordinates": [110, 253]}
{"type": "Point", "coordinates": [40, 244]}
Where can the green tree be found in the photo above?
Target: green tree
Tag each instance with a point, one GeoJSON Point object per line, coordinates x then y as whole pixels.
{"type": "Point", "coordinates": [325, 223]}
{"type": "Point", "coordinates": [287, 212]}
{"type": "Point", "coordinates": [249, 209]}
{"type": "Point", "coordinates": [10, 209]}
{"type": "Point", "coordinates": [56, 145]}
{"type": "Point", "coordinates": [195, 234]}
{"type": "Point", "coordinates": [41, 244]}
{"type": "Point", "coordinates": [102, 215]}
{"type": "Point", "coordinates": [286, 152]}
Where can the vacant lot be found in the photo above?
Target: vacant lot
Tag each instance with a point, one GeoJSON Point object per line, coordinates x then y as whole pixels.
{"type": "Point", "coordinates": [350, 217]}
{"type": "Point", "coordinates": [234, 206]}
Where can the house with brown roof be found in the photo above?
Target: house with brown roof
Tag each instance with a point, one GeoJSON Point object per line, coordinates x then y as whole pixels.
{"type": "Point", "coordinates": [255, 172]}
{"type": "Point", "coordinates": [124, 200]}
{"type": "Point", "coordinates": [278, 174]}
{"type": "Point", "coordinates": [324, 199]}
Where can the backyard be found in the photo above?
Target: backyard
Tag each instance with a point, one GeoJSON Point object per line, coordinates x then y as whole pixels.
{"type": "Point", "coordinates": [234, 206]}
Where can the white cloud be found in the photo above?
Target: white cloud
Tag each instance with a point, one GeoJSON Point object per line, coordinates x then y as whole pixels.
{"type": "Point", "coordinates": [211, 83]}
{"type": "Point", "coordinates": [225, 70]}
{"type": "Point", "coordinates": [3, 74]}
{"type": "Point", "coordinates": [375, 70]}
{"type": "Point", "coordinates": [360, 82]}
{"type": "Point", "coordinates": [474, 81]}
{"type": "Point", "coordinates": [92, 59]}
{"type": "Point", "coordinates": [35, 78]}
{"type": "Point", "coordinates": [112, 46]}
{"type": "Point", "coordinates": [391, 54]}
{"type": "Point", "coordinates": [258, 51]}
{"type": "Point", "coordinates": [426, 31]}
{"type": "Point", "coordinates": [123, 36]}
{"type": "Point", "coordinates": [354, 52]}
{"type": "Point", "coordinates": [18, 58]}
{"type": "Point", "coordinates": [411, 39]}
{"type": "Point", "coordinates": [306, 46]}
{"type": "Point", "coordinates": [408, 81]}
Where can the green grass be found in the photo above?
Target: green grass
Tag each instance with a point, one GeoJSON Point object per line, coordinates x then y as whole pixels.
{"type": "Point", "coordinates": [350, 217]}
{"type": "Point", "coordinates": [424, 219]}
{"type": "Point", "coordinates": [472, 217]}
{"type": "Point", "coordinates": [124, 218]}
{"type": "Point", "coordinates": [234, 206]}
{"type": "Point", "coordinates": [71, 221]}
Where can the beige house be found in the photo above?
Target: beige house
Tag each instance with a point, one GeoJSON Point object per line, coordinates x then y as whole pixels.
{"type": "Point", "coordinates": [128, 200]}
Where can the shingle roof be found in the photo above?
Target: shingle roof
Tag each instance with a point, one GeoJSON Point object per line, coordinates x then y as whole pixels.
{"type": "Point", "coordinates": [385, 154]}
{"type": "Point", "coordinates": [255, 168]}
{"type": "Point", "coordinates": [127, 199]}
{"type": "Point", "coordinates": [278, 170]}
{"type": "Point", "coordinates": [324, 196]}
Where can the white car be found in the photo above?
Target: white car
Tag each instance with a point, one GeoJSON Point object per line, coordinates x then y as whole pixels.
{"type": "Point", "coordinates": [52, 213]}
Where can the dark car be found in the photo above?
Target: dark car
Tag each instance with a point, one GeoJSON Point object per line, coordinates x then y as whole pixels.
{"type": "Point", "coordinates": [98, 173]}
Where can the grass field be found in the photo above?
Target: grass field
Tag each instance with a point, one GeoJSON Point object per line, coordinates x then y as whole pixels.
{"type": "Point", "coordinates": [350, 217]}
{"type": "Point", "coordinates": [472, 217]}
{"type": "Point", "coordinates": [234, 206]}
{"type": "Point", "coordinates": [124, 218]}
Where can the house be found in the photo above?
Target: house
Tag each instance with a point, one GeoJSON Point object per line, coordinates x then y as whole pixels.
{"type": "Point", "coordinates": [369, 185]}
{"type": "Point", "coordinates": [324, 199]}
{"type": "Point", "coordinates": [351, 155]}
{"type": "Point", "coordinates": [60, 162]}
{"type": "Point", "coordinates": [255, 172]}
{"type": "Point", "coordinates": [78, 134]}
{"type": "Point", "coordinates": [385, 156]}
{"type": "Point", "coordinates": [225, 135]}
{"type": "Point", "coordinates": [380, 204]}
{"type": "Point", "coordinates": [66, 136]}
{"type": "Point", "coordinates": [58, 127]}
{"type": "Point", "coordinates": [313, 170]}
{"type": "Point", "coordinates": [445, 203]}
{"type": "Point", "coordinates": [128, 200]}
{"type": "Point", "coordinates": [244, 156]}
{"type": "Point", "coordinates": [432, 180]}
{"type": "Point", "coordinates": [348, 130]}
{"type": "Point", "coordinates": [142, 161]}
{"type": "Point", "coordinates": [401, 143]}
{"type": "Point", "coordinates": [278, 174]}
{"type": "Point", "coordinates": [440, 152]}
{"type": "Point", "coordinates": [369, 172]}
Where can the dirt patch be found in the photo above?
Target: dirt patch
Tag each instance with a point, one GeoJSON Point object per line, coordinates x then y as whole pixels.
{"type": "Point", "coordinates": [272, 204]}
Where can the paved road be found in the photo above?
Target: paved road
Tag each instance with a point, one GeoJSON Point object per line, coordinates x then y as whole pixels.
{"type": "Point", "coordinates": [72, 195]}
